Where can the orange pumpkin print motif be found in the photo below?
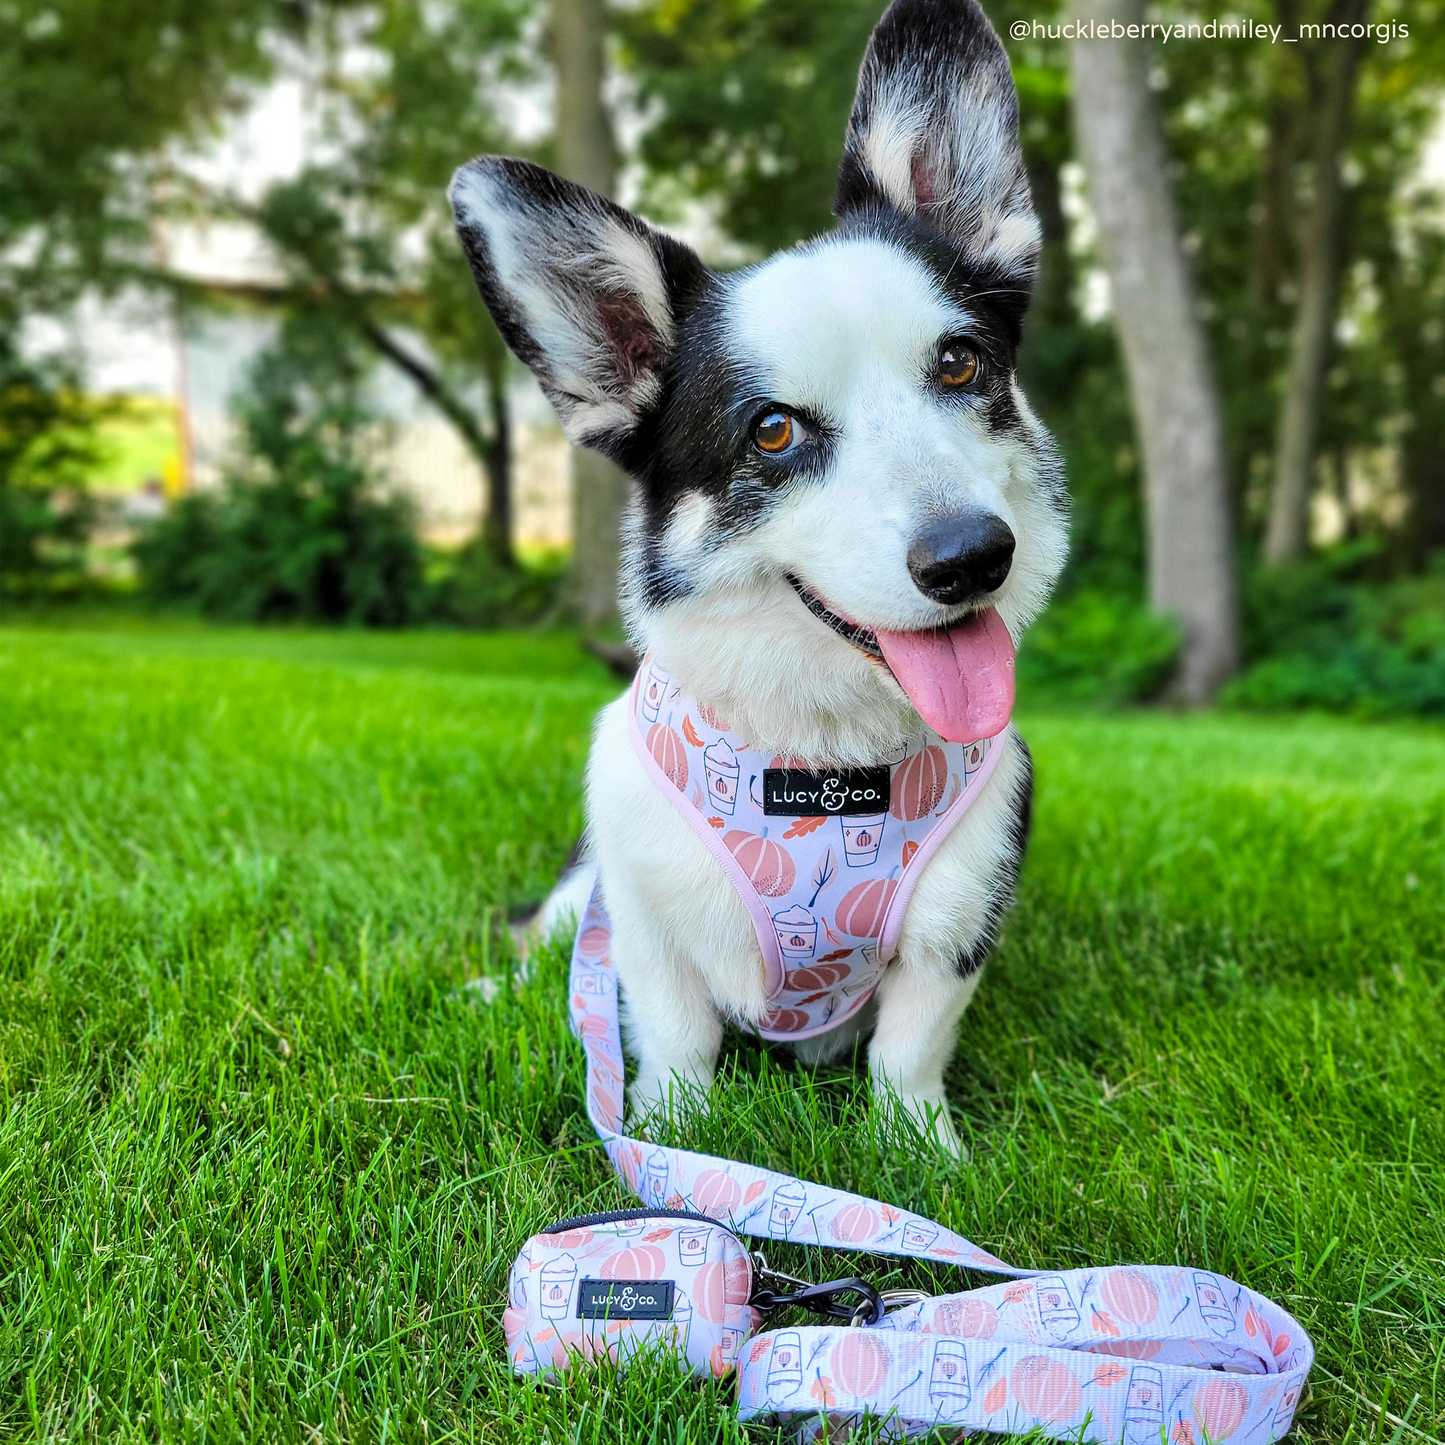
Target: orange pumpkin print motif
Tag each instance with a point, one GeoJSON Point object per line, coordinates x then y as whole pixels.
{"type": "Point", "coordinates": [859, 1363]}
{"type": "Point", "coordinates": [665, 744]}
{"type": "Point", "coordinates": [1045, 1388]}
{"type": "Point", "coordinates": [768, 865]}
{"type": "Point", "coordinates": [918, 784]}
{"type": "Point", "coordinates": [865, 906]}
{"type": "Point", "coordinates": [1220, 1407]}
{"type": "Point", "coordinates": [1131, 1296]}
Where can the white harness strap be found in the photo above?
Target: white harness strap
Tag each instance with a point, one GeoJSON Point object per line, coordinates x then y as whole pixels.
{"type": "Point", "coordinates": [1135, 1354]}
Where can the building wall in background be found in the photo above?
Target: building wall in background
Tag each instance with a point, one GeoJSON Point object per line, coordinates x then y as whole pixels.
{"type": "Point", "coordinates": [415, 448]}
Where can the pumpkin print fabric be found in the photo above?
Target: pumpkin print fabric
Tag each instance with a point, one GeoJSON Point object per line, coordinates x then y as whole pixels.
{"type": "Point", "coordinates": [707, 1316]}
{"type": "Point", "coordinates": [1134, 1353]}
{"type": "Point", "coordinates": [826, 894]}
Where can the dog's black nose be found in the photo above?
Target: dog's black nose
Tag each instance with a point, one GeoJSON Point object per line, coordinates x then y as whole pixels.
{"type": "Point", "coordinates": [961, 557]}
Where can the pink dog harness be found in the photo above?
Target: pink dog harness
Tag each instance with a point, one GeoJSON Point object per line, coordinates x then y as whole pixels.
{"type": "Point", "coordinates": [825, 862]}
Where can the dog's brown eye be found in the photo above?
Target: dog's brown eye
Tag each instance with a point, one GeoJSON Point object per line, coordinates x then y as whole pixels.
{"type": "Point", "coordinates": [774, 432]}
{"type": "Point", "coordinates": [957, 364]}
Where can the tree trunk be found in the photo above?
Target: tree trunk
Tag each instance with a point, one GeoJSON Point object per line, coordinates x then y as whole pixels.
{"type": "Point", "coordinates": [497, 465]}
{"type": "Point", "coordinates": [1423, 465]}
{"type": "Point", "coordinates": [492, 453]}
{"type": "Point", "coordinates": [1176, 407]}
{"type": "Point", "coordinates": [1321, 248]}
{"type": "Point", "coordinates": [585, 154]}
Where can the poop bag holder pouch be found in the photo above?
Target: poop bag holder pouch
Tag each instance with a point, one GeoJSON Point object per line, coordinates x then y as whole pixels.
{"type": "Point", "coordinates": [609, 1285]}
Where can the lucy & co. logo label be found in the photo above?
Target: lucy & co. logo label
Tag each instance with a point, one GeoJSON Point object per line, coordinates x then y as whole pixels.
{"type": "Point", "coordinates": [625, 1299]}
{"type": "Point", "coordinates": [845, 792]}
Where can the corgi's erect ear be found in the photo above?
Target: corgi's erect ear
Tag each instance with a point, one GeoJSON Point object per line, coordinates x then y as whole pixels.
{"type": "Point", "coordinates": [585, 293]}
{"type": "Point", "coordinates": [934, 132]}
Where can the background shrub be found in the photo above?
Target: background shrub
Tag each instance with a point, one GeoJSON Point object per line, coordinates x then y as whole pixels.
{"type": "Point", "coordinates": [47, 442]}
{"type": "Point", "coordinates": [1094, 646]}
{"type": "Point", "coordinates": [301, 528]}
{"type": "Point", "coordinates": [473, 588]}
{"type": "Point", "coordinates": [1327, 634]}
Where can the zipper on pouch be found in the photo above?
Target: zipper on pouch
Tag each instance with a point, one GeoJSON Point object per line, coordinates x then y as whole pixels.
{"type": "Point", "coordinates": [622, 1216]}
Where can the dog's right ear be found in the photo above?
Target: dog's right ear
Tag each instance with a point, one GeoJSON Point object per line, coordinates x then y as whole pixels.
{"type": "Point", "coordinates": [585, 293]}
{"type": "Point", "coordinates": [935, 133]}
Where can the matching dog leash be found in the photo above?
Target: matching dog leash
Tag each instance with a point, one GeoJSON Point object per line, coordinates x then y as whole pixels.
{"type": "Point", "coordinates": [1141, 1354]}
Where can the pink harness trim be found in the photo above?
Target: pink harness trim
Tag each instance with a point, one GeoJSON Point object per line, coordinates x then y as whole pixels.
{"type": "Point", "coordinates": [788, 1023]}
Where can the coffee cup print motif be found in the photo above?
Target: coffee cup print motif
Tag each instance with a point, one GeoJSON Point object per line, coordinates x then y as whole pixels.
{"type": "Point", "coordinates": [788, 1201]}
{"type": "Point", "coordinates": [625, 1228]}
{"type": "Point", "coordinates": [681, 1315]}
{"type": "Point", "coordinates": [861, 837]}
{"type": "Point", "coordinates": [785, 1366]}
{"type": "Point", "coordinates": [973, 756]}
{"type": "Point", "coordinates": [864, 977]}
{"type": "Point", "coordinates": [1285, 1414]}
{"type": "Point", "coordinates": [720, 765]}
{"type": "Point", "coordinates": [1144, 1407]}
{"type": "Point", "coordinates": [654, 690]}
{"type": "Point", "coordinates": [657, 1177]}
{"type": "Point", "coordinates": [1057, 1312]}
{"type": "Point", "coordinates": [692, 1246]}
{"type": "Point", "coordinates": [558, 1277]}
{"type": "Point", "coordinates": [1213, 1305]}
{"type": "Point", "coordinates": [797, 931]}
{"type": "Point", "coordinates": [948, 1385]}
{"type": "Point", "coordinates": [919, 1233]}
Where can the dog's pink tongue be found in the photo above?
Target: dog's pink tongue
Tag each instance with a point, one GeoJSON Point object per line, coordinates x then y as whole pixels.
{"type": "Point", "coordinates": [961, 680]}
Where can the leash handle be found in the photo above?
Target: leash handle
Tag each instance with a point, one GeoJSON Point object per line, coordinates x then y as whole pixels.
{"type": "Point", "coordinates": [1114, 1353]}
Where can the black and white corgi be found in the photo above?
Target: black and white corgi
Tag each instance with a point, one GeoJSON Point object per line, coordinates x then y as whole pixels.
{"type": "Point", "coordinates": [844, 516]}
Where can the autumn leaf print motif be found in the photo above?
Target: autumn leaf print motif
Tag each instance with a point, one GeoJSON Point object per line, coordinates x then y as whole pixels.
{"type": "Point", "coordinates": [801, 827]}
{"type": "Point", "coordinates": [823, 873]}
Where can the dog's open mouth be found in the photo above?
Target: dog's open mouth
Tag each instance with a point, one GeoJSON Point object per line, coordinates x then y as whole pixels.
{"type": "Point", "coordinates": [863, 638]}
{"type": "Point", "coordinates": [960, 677]}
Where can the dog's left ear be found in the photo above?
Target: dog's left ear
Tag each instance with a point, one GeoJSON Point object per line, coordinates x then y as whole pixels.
{"type": "Point", "coordinates": [585, 293]}
{"type": "Point", "coordinates": [934, 132]}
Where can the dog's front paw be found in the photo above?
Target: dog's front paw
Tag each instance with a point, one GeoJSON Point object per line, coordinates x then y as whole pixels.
{"type": "Point", "coordinates": [925, 1118]}
{"type": "Point", "coordinates": [664, 1097]}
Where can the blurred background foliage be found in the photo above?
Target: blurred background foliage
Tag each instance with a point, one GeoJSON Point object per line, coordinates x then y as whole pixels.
{"type": "Point", "coordinates": [731, 114]}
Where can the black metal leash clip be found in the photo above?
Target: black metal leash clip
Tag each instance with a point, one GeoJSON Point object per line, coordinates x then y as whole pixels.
{"type": "Point", "coordinates": [854, 1300]}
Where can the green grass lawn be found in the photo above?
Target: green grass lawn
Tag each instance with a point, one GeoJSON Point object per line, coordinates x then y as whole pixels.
{"type": "Point", "coordinates": [265, 1157]}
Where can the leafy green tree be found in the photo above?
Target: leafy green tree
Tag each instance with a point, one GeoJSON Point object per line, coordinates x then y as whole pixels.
{"type": "Point", "coordinates": [365, 238]}
{"type": "Point", "coordinates": [1243, 122]}
{"type": "Point", "coordinates": [47, 441]}
{"type": "Point", "coordinates": [90, 95]}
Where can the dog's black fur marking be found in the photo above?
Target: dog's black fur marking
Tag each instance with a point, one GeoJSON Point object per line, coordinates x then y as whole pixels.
{"type": "Point", "coordinates": [1006, 880]}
